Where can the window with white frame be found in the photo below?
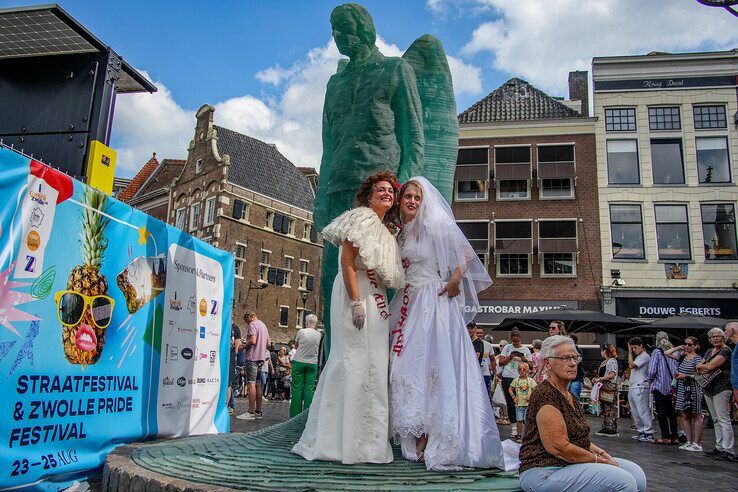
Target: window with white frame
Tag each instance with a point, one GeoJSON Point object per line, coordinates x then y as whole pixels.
{"type": "Point", "coordinates": [557, 244]}
{"type": "Point", "coordinates": [472, 174]}
{"type": "Point", "coordinates": [284, 316]}
{"type": "Point", "coordinates": [304, 264]}
{"type": "Point", "coordinates": [264, 265]}
{"type": "Point", "coordinates": [240, 210]}
{"type": "Point", "coordinates": [269, 219]}
{"type": "Point", "coordinates": [477, 232]}
{"type": "Point", "coordinates": [556, 171]}
{"type": "Point", "coordinates": [179, 222]}
{"type": "Point", "coordinates": [300, 318]}
{"type": "Point", "coordinates": [513, 247]}
{"type": "Point", "coordinates": [210, 211]}
{"type": "Point", "coordinates": [287, 271]}
{"type": "Point", "coordinates": [194, 216]}
{"type": "Point", "coordinates": [513, 172]}
{"type": "Point", "coordinates": [198, 166]}
{"type": "Point", "coordinates": [240, 256]}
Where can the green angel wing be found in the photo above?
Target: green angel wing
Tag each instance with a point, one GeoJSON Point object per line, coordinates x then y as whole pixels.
{"type": "Point", "coordinates": [440, 125]}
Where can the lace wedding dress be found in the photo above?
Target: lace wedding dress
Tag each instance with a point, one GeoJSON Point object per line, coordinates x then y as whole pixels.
{"type": "Point", "coordinates": [436, 385]}
{"type": "Point", "coordinates": [349, 415]}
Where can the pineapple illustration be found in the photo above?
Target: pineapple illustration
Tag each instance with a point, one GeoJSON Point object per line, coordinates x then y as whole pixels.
{"type": "Point", "coordinates": [83, 342]}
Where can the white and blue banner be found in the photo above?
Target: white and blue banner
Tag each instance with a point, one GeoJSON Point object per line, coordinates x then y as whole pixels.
{"type": "Point", "coordinates": [114, 328]}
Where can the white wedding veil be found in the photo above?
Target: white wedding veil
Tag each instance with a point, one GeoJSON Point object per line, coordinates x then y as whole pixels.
{"type": "Point", "coordinates": [438, 235]}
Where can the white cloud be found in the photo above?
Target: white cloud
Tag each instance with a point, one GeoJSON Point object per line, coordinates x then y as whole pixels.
{"type": "Point", "coordinates": [542, 40]}
{"type": "Point", "coordinates": [146, 123]}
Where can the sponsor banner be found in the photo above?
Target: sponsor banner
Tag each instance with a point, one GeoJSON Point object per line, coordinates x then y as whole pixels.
{"type": "Point", "coordinates": [645, 307]}
{"type": "Point", "coordinates": [114, 328]}
{"type": "Point", "coordinates": [492, 312]}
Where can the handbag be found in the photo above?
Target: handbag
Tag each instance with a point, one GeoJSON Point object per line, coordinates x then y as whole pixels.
{"type": "Point", "coordinates": [703, 379]}
{"type": "Point", "coordinates": [607, 393]}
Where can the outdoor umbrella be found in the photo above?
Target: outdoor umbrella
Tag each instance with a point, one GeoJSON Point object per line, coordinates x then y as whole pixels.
{"type": "Point", "coordinates": [576, 320]}
{"type": "Point", "coordinates": [682, 324]}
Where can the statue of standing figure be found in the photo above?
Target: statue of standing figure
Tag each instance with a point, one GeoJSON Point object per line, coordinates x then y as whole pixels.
{"type": "Point", "coordinates": [381, 113]}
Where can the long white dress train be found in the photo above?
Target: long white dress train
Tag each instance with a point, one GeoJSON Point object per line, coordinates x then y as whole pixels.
{"type": "Point", "coordinates": [349, 415]}
{"type": "Point", "coordinates": [436, 385]}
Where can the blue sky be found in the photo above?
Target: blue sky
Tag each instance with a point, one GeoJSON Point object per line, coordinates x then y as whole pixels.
{"type": "Point", "coordinates": [264, 64]}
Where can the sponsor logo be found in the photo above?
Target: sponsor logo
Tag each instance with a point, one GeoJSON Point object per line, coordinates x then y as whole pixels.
{"type": "Point", "coordinates": [187, 353]}
{"type": "Point", "coordinates": [173, 353]}
{"type": "Point", "coordinates": [213, 333]}
{"type": "Point", "coordinates": [191, 305]}
{"type": "Point", "coordinates": [202, 356]}
{"type": "Point", "coordinates": [167, 381]}
{"type": "Point", "coordinates": [185, 330]}
{"type": "Point", "coordinates": [38, 197]}
{"type": "Point", "coordinates": [182, 404]}
{"type": "Point", "coordinates": [175, 304]}
{"type": "Point", "coordinates": [213, 307]}
{"type": "Point", "coordinates": [201, 380]}
{"type": "Point", "coordinates": [37, 217]}
{"type": "Point", "coordinates": [214, 380]}
{"type": "Point", "coordinates": [202, 332]}
{"type": "Point", "coordinates": [31, 265]}
{"type": "Point", "coordinates": [203, 307]}
{"type": "Point", "coordinates": [33, 240]}
{"type": "Point", "coordinates": [167, 405]}
{"type": "Point", "coordinates": [181, 381]}
{"type": "Point", "coordinates": [212, 356]}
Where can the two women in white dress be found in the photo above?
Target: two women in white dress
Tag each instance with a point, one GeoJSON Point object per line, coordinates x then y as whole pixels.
{"type": "Point", "coordinates": [436, 405]}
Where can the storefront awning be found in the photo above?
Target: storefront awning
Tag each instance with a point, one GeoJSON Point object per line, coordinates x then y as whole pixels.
{"type": "Point", "coordinates": [471, 173]}
{"type": "Point", "coordinates": [512, 171]}
{"type": "Point", "coordinates": [513, 246]}
{"type": "Point", "coordinates": [561, 245]}
{"type": "Point", "coordinates": [556, 170]}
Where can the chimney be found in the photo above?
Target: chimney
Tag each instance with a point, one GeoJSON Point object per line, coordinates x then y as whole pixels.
{"type": "Point", "coordinates": [579, 89]}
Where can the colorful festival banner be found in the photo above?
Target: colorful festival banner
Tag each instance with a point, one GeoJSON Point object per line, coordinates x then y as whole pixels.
{"type": "Point", "coordinates": [114, 327]}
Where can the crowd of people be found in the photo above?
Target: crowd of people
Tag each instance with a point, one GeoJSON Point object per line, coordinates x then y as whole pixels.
{"type": "Point", "coordinates": [263, 371]}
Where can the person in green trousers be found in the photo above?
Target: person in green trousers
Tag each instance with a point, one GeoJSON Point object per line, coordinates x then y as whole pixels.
{"type": "Point", "coordinates": [305, 366]}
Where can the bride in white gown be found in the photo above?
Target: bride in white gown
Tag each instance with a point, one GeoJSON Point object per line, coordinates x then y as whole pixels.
{"type": "Point", "coordinates": [349, 415]}
{"type": "Point", "coordinates": [440, 409]}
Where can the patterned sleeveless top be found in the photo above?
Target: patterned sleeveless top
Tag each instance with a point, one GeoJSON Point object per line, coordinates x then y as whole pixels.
{"type": "Point", "coordinates": [533, 454]}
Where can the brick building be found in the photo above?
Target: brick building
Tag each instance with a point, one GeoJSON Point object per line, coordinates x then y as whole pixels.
{"type": "Point", "coordinates": [149, 189]}
{"type": "Point", "coordinates": [241, 195]}
{"type": "Point", "coordinates": [667, 147]}
{"type": "Point", "coordinates": [525, 194]}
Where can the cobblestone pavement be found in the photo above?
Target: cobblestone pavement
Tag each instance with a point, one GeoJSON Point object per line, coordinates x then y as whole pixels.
{"type": "Point", "coordinates": [666, 467]}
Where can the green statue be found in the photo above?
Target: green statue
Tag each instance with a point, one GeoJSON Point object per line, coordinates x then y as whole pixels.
{"type": "Point", "coordinates": [381, 113]}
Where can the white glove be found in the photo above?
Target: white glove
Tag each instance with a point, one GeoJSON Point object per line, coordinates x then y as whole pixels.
{"type": "Point", "coordinates": [358, 314]}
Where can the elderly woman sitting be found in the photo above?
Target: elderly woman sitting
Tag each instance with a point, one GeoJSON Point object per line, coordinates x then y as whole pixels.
{"type": "Point", "coordinates": [557, 453]}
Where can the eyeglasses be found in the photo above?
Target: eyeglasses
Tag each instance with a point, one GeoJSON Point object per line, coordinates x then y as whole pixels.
{"type": "Point", "coordinates": [717, 336]}
{"type": "Point", "coordinates": [71, 307]}
{"type": "Point", "coordinates": [568, 359]}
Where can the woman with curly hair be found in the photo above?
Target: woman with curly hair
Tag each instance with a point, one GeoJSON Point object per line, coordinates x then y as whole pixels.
{"type": "Point", "coordinates": [607, 374]}
{"type": "Point", "coordinates": [349, 416]}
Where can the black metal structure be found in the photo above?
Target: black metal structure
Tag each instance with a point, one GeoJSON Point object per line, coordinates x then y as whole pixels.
{"type": "Point", "coordinates": [58, 84]}
{"type": "Point", "coordinates": [726, 4]}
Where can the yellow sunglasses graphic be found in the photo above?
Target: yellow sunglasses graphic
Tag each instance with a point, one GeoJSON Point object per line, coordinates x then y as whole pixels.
{"type": "Point", "coordinates": [71, 306]}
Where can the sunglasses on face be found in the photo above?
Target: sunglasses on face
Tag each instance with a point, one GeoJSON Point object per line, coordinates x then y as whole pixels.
{"type": "Point", "coordinates": [71, 307]}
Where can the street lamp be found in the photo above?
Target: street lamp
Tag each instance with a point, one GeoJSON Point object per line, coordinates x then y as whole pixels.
{"type": "Point", "coordinates": [257, 287]}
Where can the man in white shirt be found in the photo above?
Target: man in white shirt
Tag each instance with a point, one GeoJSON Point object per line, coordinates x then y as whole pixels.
{"type": "Point", "coordinates": [305, 366]}
{"type": "Point", "coordinates": [512, 355]}
{"type": "Point", "coordinates": [639, 391]}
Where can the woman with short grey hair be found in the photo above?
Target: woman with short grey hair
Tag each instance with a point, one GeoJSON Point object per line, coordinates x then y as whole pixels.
{"type": "Point", "coordinates": [715, 367]}
{"type": "Point", "coordinates": [557, 453]}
